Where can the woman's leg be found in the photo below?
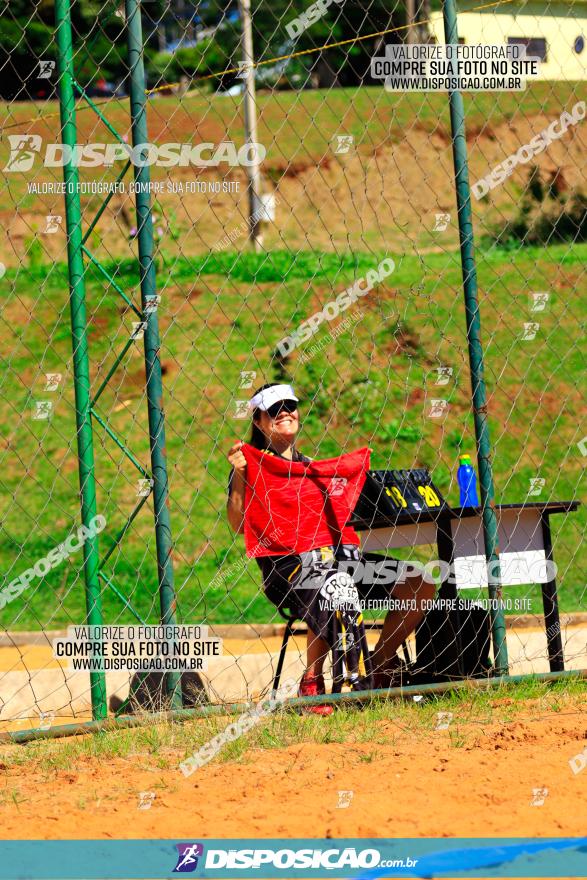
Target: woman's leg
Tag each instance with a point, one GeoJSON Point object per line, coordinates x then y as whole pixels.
{"type": "Point", "coordinates": [283, 589]}
{"type": "Point", "coordinates": [317, 651]}
{"type": "Point", "coordinates": [312, 683]}
{"type": "Point", "coordinates": [399, 624]}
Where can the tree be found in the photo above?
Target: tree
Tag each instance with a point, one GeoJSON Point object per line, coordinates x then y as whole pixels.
{"type": "Point", "coordinates": [345, 65]}
{"type": "Point", "coordinates": [27, 37]}
{"type": "Point", "coordinates": [194, 38]}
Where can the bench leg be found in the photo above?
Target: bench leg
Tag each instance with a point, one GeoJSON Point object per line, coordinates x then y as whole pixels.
{"type": "Point", "coordinates": [448, 589]}
{"type": "Point", "coordinates": [550, 604]}
{"type": "Point", "coordinates": [286, 636]}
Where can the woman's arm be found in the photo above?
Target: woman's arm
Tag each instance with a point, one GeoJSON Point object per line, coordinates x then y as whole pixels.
{"type": "Point", "coordinates": [235, 508]}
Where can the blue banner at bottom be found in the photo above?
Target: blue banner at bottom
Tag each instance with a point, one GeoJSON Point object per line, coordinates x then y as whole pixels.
{"type": "Point", "coordinates": [306, 859]}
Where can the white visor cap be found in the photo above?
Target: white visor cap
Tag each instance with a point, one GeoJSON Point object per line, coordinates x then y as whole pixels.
{"type": "Point", "coordinates": [268, 396]}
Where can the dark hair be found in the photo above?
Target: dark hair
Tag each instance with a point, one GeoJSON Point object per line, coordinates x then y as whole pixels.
{"type": "Point", "coordinates": [258, 438]}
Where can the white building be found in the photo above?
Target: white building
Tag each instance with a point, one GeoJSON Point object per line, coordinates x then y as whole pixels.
{"type": "Point", "coordinates": [555, 31]}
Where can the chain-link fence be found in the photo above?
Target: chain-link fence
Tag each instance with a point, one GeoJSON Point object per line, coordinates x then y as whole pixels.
{"type": "Point", "coordinates": [305, 232]}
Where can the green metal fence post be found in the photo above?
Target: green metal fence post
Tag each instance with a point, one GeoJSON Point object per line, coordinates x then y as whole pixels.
{"type": "Point", "coordinates": [469, 270]}
{"type": "Point", "coordinates": [81, 369]}
{"type": "Point", "coordinates": [151, 335]}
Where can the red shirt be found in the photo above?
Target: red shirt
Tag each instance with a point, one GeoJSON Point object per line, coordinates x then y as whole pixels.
{"type": "Point", "coordinates": [294, 506]}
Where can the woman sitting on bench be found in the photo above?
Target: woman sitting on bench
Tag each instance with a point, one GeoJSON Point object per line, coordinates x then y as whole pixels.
{"type": "Point", "coordinates": [295, 580]}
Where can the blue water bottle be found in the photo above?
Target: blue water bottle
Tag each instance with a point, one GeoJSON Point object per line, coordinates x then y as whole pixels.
{"type": "Point", "coordinates": [467, 479]}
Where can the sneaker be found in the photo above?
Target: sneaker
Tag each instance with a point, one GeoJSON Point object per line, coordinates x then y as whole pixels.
{"type": "Point", "coordinates": [313, 686]}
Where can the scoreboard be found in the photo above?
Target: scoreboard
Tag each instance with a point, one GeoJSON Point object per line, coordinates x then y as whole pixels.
{"type": "Point", "coordinates": [395, 494]}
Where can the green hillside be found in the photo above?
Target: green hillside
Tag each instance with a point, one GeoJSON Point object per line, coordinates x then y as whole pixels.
{"type": "Point", "coordinates": [223, 314]}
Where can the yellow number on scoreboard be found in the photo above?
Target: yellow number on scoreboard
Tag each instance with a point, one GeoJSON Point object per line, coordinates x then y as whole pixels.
{"type": "Point", "coordinates": [429, 496]}
{"type": "Point", "coordinates": [396, 496]}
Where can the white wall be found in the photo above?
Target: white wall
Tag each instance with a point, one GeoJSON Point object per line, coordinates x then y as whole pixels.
{"type": "Point", "coordinates": [559, 24]}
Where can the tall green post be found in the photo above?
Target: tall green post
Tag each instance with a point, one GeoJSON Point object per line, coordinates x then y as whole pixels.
{"type": "Point", "coordinates": [465, 219]}
{"type": "Point", "coordinates": [151, 333]}
{"type": "Point", "coordinates": [81, 369]}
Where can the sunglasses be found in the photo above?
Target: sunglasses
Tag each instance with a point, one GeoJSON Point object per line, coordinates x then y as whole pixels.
{"type": "Point", "coordinates": [288, 406]}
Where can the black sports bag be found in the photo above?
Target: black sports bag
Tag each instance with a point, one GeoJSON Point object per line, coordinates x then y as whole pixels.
{"type": "Point", "coordinates": [445, 637]}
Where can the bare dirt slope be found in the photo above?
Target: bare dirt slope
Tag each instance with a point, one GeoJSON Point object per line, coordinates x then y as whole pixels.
{"type": "Point", "coordinates": [385, 196]}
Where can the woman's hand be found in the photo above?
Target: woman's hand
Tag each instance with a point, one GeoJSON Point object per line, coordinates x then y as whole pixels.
{"type": "Point", "coordinates": [236, 500]}
{"type": "Point", "coordinates": [236, 458]}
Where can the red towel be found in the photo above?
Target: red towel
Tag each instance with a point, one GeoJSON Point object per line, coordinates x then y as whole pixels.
{"type": "Point", "coordinates": [293, 506]}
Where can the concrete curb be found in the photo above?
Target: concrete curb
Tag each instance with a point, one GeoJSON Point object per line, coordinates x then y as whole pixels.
{"type": "Point", "coordinates": [232, 678]}
{"type": "Point", "coordinates": [266, 630]}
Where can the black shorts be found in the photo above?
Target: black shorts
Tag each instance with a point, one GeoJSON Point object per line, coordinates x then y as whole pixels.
{"type": "Point", "coordinates": [310, 586]}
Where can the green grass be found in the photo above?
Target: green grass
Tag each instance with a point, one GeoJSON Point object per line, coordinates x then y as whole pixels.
{"type": "Point", "coordinates": [224, 313]}
{"type": "Point", "coordinates": [368, 729]}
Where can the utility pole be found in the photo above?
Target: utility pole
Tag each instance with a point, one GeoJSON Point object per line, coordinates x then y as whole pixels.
{"type": "Point", "coordinates": [425, 16]}
{"type": "Point", "coordinates": [410, 19]}
{"type": "Point", "coordinates": [250, 110]}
